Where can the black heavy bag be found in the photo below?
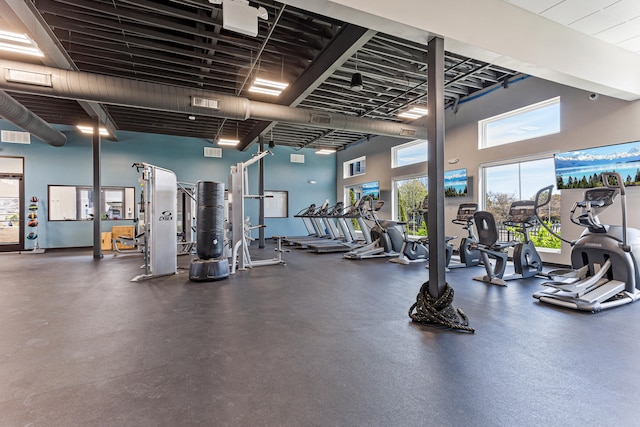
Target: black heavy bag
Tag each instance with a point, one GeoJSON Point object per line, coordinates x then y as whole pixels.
{"type": "Point", "coordinates": [210, 219]}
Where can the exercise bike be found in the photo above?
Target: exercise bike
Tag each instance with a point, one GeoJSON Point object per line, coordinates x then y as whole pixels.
{"type": "Point", "coordinates": [418, 250]}
{"type": "Point", "coordinates": [526, 260]}
{"type": "Point", "coordinates": [467, 251]}
{"type": "Point", "coordinates": [604, 259]}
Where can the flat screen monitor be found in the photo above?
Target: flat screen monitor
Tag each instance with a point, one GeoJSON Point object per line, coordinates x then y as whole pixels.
{"type": "Point", "coordinates": [371, 189]}
{"type": "Point", "coordinates": [583, 168]}
{"type": "Point", "coordinates": [455, 183]}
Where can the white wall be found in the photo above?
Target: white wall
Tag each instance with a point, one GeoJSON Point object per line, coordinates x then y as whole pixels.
{"type": "Point", "coordinates": [585, 123]}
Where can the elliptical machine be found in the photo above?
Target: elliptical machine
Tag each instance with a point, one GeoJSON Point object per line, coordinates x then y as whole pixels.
{"type": "Point", "coordinates": [604, 258]}
{"type": "Point", "coordinates": [467, 251]}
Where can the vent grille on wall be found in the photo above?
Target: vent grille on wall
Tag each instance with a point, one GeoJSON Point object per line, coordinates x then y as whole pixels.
{"type": "Point", "coordinates": [15, 137]}
{"type": "Point", "coordinates": [322, 120]}
{"type": "Point", "coordinates": [213, 152]}
{"type": "Point", "coordinates": [407, 132]}
{"type": "Point", "coordinates": [297, 158]}
{"type": "Point", "coordinates": [204, 102]}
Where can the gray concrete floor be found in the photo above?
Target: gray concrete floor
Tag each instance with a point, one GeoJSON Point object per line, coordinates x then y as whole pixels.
{"type": "Point", "coordinates": [322, 341]}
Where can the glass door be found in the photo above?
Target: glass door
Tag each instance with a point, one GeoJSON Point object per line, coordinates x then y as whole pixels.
{"type": "Point", "coordinates": [11, 213]}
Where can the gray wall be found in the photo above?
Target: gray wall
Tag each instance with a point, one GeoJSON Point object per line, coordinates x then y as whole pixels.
{"type": "Point", "coordinates": [584, 123]}
{"type": "Point", "coordinates": [72, 165]}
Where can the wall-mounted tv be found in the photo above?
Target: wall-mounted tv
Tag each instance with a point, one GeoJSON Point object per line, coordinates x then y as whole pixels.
{"type": "Point", "coordinates": [371, 189]}
{"type": "Point", "coordinates": [583, 168]}
{"type": "Point", "coordinates": [455, 183]}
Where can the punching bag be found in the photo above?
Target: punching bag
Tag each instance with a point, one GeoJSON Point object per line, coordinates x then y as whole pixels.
{"type": "Point", "coordinates": [210, 220]}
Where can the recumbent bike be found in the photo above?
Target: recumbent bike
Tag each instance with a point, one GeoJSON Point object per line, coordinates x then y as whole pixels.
{"type": "Point", "coordinates": [526, 260]}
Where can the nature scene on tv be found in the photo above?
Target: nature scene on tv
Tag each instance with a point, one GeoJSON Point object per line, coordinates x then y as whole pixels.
{"type": "Point", "coordinates": [371, 189]}
{"type": "Point", "coordinates": [583, 168]}
{"type": "Point", "coordinates": [455, 183]}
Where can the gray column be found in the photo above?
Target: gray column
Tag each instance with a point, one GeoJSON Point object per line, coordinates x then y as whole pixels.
{"type": "Point", "coordinates": [97, 194]}
{"type": "Point", "coordinates": [435, 132]}
{"type": "Point", "coordinates": [261, 193]}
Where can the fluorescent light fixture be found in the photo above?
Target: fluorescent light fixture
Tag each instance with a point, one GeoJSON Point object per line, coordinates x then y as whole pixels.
{"type": "Point", "coordinates": [20, 43]}
{"type": "Point", "coordinates": [228, 141]}
{"type": "Point", "coordinates": [268, 87]}
{"type": "Point", "coordinates": [89, 130]}
{"type": "Point", "coordinates": [326, 151]}
{"type": "Point", "coordinates": [414, 113]}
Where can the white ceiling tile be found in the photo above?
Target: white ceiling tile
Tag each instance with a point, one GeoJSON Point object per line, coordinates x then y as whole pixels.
{"type": "Point", "coordinates": [596, 23]}
{"type": "Point", "coordinates": [572, 10]}
{"type": "Point", "coordinates": [631, 44]}
{"type": "Point", "coordinates": [624, 9]}
{"type": "Point", "coordinates": [621, 32]}
{"type": "Point", "coordinates": [535, 6]}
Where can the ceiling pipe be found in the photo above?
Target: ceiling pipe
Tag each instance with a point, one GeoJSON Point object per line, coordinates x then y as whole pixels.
{"type": "Point", "coordinates": [19, 115]}
{"type": "Point", "coordinates": [78, 85]}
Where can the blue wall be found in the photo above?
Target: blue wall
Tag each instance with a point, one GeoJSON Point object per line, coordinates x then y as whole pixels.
{"type": "Point", "coordinates": [72, 165]}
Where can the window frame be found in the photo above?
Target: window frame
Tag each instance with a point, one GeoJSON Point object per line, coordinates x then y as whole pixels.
{"type": "Point", "coordinates": [397, 148]}
{"type": "Point", "coordinates": [347, 170]}
{"type": "Point", "coordinates": [483, 124]}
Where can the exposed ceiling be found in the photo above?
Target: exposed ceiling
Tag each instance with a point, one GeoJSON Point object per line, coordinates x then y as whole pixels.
{"type": "Point", "coordinates": [182, 42]}
{"type": "Point", "coordinates": [592, 45]}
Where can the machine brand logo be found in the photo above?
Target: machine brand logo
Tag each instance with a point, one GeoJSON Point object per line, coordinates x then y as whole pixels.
{"type": "Point", "coordinates": [593, 245]}
{"type": "Point", "coordinates": [166, 216]}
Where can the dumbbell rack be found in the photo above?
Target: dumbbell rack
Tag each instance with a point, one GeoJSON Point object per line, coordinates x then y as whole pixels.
{"type": "Point", "coordinates": [32, 225]}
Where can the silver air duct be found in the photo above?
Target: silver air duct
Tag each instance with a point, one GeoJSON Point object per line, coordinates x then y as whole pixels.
{"type": "Point", "coordinates": [16, 113]}
{"type": "Point", "coordinates": [133, 93]}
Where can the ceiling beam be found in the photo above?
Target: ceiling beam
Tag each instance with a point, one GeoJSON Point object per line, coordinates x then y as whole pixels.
{"type": "Point", "coordinates": [340, 49]}
{"type": "Point", "coordinates": [55, 55]}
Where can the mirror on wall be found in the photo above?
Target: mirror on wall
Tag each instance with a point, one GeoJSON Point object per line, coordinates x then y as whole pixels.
{"type": "Point", "coordinates": [75, 203]}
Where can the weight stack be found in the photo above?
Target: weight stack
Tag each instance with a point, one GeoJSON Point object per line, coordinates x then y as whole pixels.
{"type": "Point", "coordinates": [210, 234]}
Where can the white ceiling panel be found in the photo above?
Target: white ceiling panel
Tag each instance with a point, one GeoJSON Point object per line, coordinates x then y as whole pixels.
{"type": "Point", "coordinates": [572, 10]}
{"type": "Point", "coordinates": [615, 22]}
{"type": "Point", "coordinates": [624, 9]}
{"type": "Point", "coordinates": [621, 33]}
{"type": "Point", "coordinates": [535, 6]}
{"type": "Point", "coordinates": [632, 44]}
{"type": "Point", "coordinates": [595, 23]}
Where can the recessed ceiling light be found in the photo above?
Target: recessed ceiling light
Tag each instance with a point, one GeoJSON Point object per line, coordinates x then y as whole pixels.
{"type": "Point", "coordinates": [228, 141]}
{"type": "Point", "coordinates": [414, 113]}
{"type": "Point", "coordinates": [20, 43]}
{"type": "Point", "coordinates": [89, 130]}
{"type": "Point", "coordinates": [268, 87]}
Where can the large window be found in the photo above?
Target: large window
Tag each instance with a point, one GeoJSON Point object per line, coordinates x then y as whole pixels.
{"type": "Point", "coordinates": [354, 167]}
{"type": "Point", "coordinates": [529, 122]}
{"type": "Point", "coordinates": [521, 180]}
{"type": "Point", "coordinates": [71, 203]}
{"type": "Point", "coordinates": [409, 153]}
{"type": "Point", "coordinates": [408, 197]}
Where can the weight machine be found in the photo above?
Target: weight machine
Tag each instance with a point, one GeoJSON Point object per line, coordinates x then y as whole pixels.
{"type": "Point", "coordinates": [159, 207]}
{"type": "Point", "coordinates": [240, 229]}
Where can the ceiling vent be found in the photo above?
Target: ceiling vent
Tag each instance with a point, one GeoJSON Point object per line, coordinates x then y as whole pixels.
{"type": "Point", "coordinates": [407, 132]}
{"type": "Point", "coordinates": [204, 102]}
{"type": "Point", "coordinates": [320, 119]}
{"type": "Point", "coordinates": [213, 152]}
{"type": "Point", "coordinates": [297, 158]}
{"type": "Point", "coordinates": [15, 137]}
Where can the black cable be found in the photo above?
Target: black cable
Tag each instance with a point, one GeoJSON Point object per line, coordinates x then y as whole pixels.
{"type": "Point", "coordinates": [438, 310]}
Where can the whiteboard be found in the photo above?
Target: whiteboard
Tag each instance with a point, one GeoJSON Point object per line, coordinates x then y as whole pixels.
{"type": "Point", "coordinates": [276, 204]}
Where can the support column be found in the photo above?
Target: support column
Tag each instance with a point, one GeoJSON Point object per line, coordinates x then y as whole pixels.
{"type": "Point", "coordinates": [97, 193]}
{"type": "Point", "coordinates": [261, 193]}
{"type": "Point", "coordinates": [435, 166]}
{"type": "Point", "coordinates": [434, 301]}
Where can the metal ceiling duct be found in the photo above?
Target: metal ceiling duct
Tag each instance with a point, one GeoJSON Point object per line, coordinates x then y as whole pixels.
{"type": "Point", "coordinates": [37, 79]}
{"type": "Point", "coordinates": [16, 113]}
